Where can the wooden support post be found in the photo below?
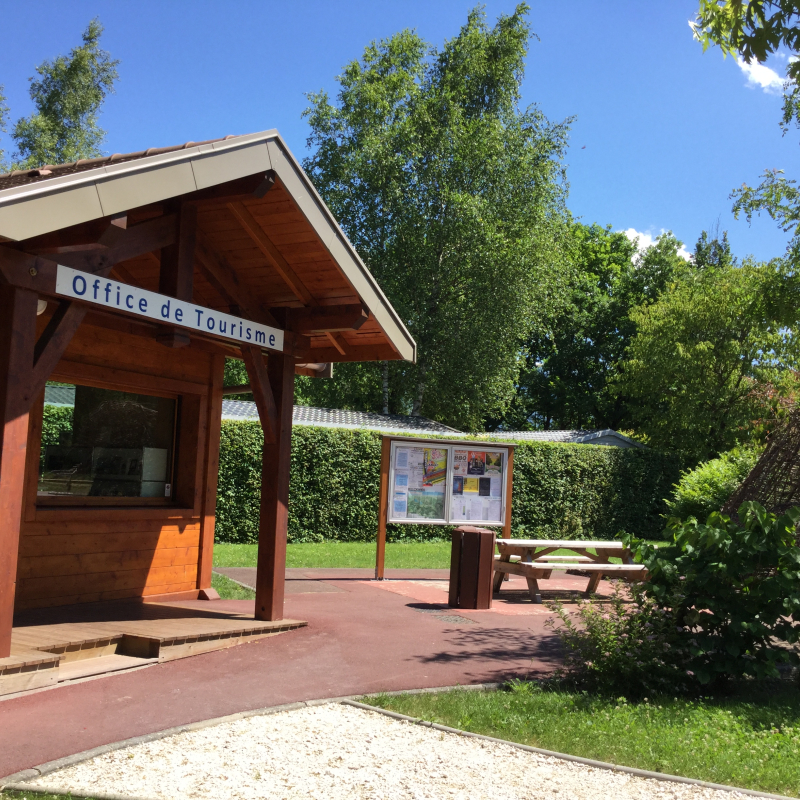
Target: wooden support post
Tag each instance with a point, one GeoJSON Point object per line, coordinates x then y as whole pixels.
{"type": "Point", "coordinates": [509, 493]}
{"type": "Point", "coordinates": [275, 465]}
{"type": "Point", "coordinates": [176, 277]}
{"type": "Point", "coordinates": [17, 341]}
{"type": "Point", "coordinates": [212, 443]}
{"type": "Point", "coordinates": [383, 502]}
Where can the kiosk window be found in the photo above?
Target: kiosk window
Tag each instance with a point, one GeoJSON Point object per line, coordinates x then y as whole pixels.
{"type": "Point", "coordinates": [103, 443]}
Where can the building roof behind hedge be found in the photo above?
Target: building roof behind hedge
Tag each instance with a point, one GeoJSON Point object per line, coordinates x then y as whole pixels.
{"type": "Point", "coordinates": [385, 423]}
{"type": "Point", "coordinates": [336, 418]}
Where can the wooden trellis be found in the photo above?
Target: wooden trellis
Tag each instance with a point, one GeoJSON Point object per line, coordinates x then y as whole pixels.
{"type": "Point", "coordinates": [775, 480]}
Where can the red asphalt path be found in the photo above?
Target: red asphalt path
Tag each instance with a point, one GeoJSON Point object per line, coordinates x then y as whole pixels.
{"type": "Point", "coordinates": [359, 640]}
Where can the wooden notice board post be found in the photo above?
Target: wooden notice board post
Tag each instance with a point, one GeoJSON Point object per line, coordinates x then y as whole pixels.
{"type": "Point", "coordinates": [431, 482]}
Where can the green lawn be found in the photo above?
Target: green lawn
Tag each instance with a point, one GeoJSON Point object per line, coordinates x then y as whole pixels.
{"type": "Point", "coordinates": [750, 739]}
{"type": "Point", "coordinates": [399, 555]}
{"type": "Point", "coordinates": [228, 590]}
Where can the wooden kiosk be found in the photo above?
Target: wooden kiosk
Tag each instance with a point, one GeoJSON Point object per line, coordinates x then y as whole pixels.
{"type": "Point", "coordinates": [127, 281]}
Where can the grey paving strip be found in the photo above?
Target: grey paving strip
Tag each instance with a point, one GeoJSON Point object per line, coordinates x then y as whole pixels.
{"type": "Point", "coordinates": [17, 781]}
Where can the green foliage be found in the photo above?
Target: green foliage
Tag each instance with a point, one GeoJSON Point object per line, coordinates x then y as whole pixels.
{"type": "Point", "coordinates": [570, 491]}
{"type": "Point", "coordinates": [708, 486]}
{"type": "Point", "coordinates": [621, 648]}
{"type": "Point", "coordinates": [749, 738]}
{"type": "Point", "coordinates": [455, 198]}
{"type": "Point", "coordinates": [3, 126]}
{"type": "Point", "coordinates": [56, 422]}
{"type": "Point", "coordinates": [708, 350]}
{"type": "Point", "coordinates": [67, 95]}
{"type": "Point", "coordinates": [754, 31]}
{"type": "Point", "coordinates": [734, 590]}
{"type": "Point", "coordinates": [569, 363]}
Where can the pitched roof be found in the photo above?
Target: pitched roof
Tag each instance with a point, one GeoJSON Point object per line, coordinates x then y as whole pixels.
{"type": "Point", "coordinates": [606, 436]}
{"type": "Point", "coordinates": [285, 247]}
{"type": "Point", "coordinates": [23, 177]}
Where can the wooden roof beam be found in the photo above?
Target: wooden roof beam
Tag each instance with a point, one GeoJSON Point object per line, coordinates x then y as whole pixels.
{"type": "Point", "coordinates": [126, 243]}
{"type": "Point", "coordinates": [327, 319]}
{"type": "Point", "coordinates": [272, 254]}
{"type": "Point", "coordinates": [222, 276]}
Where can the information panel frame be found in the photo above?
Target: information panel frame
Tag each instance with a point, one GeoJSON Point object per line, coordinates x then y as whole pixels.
{"type": "Point", "coordinates": [418, 485]}
{"type": "Point", "coordinates": [486, 493]}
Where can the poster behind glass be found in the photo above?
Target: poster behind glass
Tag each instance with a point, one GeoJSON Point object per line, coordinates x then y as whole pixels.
{"type": "Point", "coordinates": [419, 483]}
{"type": "Point", "coordinates": [477, 493]}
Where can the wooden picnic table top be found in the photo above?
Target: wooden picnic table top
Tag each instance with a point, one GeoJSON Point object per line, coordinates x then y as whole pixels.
{"type": "Point", "coordinates": [561, 544]}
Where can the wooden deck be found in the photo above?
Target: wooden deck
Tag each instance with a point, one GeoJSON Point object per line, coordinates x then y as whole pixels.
{"type": "Point", "coordinates": [52, 645]}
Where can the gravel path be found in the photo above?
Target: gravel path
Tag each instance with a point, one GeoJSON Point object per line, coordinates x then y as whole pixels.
{"type": "Point", "coordinates": [335, 751]}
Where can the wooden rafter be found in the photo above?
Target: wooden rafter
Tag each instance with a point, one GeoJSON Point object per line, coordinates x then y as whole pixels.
{"type": "Point", "coordinates": [272, 254]}
{"type": "Point", "coordinates": [221, 275]}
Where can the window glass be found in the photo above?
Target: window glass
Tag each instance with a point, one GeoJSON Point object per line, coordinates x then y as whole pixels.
{"type": "Point", "coordinates": [103, 443]}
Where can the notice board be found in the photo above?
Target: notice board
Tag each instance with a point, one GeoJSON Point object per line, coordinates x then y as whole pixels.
{"type": "Point", "coordinates": [443, 482]}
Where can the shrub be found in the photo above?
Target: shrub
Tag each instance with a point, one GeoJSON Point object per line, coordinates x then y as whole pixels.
{"type": "Point", "coordinates": [708, 486]}
{"type": "Point", "coordinates": [560, 490]}
{"type": "Point", "coordinates": [624, 648]}
{"type": "Point", "coordinates": [735, 591]}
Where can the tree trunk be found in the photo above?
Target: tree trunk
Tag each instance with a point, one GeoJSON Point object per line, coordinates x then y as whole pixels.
{"type": "Point", "coordinates": [415, 411]}
{"type": "Point", "coordinates": [385, 387]}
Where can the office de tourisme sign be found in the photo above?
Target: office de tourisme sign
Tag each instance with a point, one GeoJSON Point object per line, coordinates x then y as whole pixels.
{"type": "Point", "coordinates": [133, 300]}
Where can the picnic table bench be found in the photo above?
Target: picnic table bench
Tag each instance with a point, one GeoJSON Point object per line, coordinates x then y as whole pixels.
{"type": "Point", "coordinates": [531, 558]}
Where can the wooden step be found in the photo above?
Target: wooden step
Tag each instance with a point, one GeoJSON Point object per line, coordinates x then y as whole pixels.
{"type": "Point", "coordinates": [28, 669]}
{"type": "Point", "coordinates": [87, 667]}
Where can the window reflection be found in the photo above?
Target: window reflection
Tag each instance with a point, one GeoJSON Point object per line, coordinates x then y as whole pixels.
{"type": "Point", "coordinates": [104, 443]}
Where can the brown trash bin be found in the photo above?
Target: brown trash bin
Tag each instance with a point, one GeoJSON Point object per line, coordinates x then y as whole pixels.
{"type": "Point", "coordinates": [471, 568]}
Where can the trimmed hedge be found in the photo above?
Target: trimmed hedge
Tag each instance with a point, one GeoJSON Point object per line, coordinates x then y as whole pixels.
{"type": "Point", "coordinates": [56, 419]}
{"type": "Point", "coordinates": [560, 490]}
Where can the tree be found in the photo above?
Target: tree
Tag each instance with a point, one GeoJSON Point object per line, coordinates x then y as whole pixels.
{"type": "Point", "coordinates": [455, 197]}
{"type": "Point", "coordinates": [3, 124]}
{"type": "Point", "coordinates": [756, 30]}
{"type": "Point", "coordinates": [703, 353]}
{"type": "Point", "coordinates": [565, 380]}
{"type": "Point", "coordinates": [68, 95]}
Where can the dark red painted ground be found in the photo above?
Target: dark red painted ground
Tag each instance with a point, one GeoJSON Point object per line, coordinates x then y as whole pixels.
{"type": "Point", "coordinates": [368, 637]}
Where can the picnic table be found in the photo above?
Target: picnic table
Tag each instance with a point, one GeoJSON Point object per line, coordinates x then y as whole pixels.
{"type": "Point", "coordinates": [532, 559]}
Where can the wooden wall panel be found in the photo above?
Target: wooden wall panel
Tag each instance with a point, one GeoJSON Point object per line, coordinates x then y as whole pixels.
{"type": "Point", "coordinates": [89, 554]}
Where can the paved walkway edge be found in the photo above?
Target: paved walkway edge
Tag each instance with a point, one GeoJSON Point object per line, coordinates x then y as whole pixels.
{"type": "Point", "coordinates": [16, 782]}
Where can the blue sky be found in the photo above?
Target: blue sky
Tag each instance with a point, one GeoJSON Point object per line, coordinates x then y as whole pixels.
{"type": "Point", "coordinates": [662, 134]}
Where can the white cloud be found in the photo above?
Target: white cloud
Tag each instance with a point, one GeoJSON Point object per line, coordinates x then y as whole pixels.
{"type": "Point", "coordinates": [646, 239]}
{"type": "Point", "coordinates": [760, 76]}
